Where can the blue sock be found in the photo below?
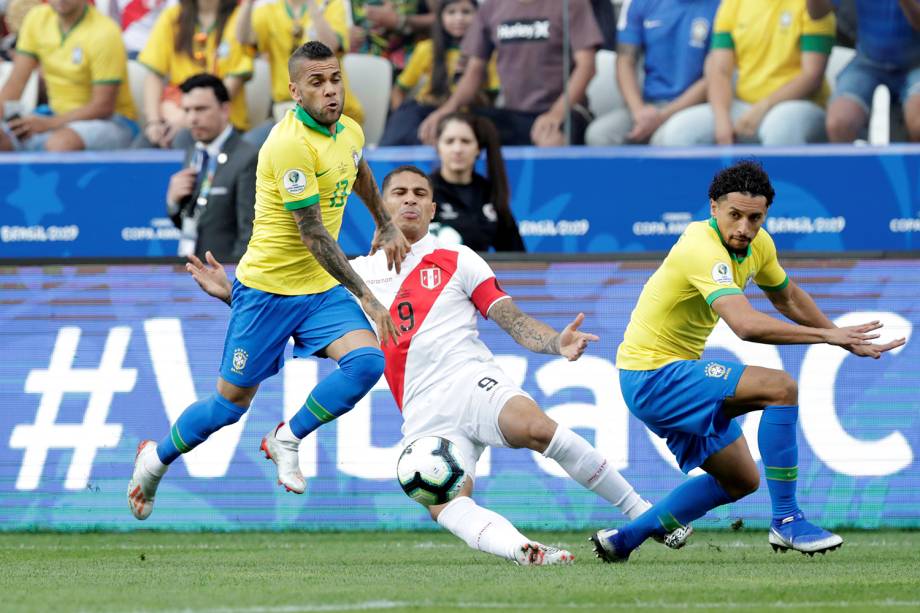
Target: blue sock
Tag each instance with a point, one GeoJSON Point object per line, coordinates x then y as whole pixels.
{"type": "Point", "coordinates": [196, 424]}
{"type": "Point", "coordinates": [688, 501]}
{"type": "Point", "coordinates": [780, 453]}
{"type": "Point", "coordinates": [335, 395]}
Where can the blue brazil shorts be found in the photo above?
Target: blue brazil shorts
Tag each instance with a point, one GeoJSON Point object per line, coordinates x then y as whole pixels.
{"type": "Point", "coordinates": [682, 403]}
{"type": "Point", "coordinates": [261, 324]}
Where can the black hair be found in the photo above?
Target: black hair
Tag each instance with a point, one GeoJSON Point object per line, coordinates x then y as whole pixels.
{"type": "Point", "coordinates": [407, 168]}
{"type": "Point", "coordinates": [310, 50]}
{"type": "Point", "coordinates": [487, 139]}
{"type": "Point", "coordinates": [439, 88]}
{"type": "Point", "coordinates": [745, 177]}
{"type": "Point", "coordinates": [208, 81]}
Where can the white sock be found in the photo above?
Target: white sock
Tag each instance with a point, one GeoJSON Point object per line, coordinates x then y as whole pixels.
{"type": "Point", "coordinates": [480, 528]}
{"type": "Point", "coordinates": [285, 433]}
{"type": "Point", "coordinates": [588, 467]}
{"type": "Point", "coordinates": [153, 465]}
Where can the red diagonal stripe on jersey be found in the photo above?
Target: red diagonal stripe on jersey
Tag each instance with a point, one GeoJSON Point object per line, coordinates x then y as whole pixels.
{"type": "Point", "coordinates": [422, 300]}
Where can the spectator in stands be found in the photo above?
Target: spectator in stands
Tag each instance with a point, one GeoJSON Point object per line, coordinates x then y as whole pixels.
{"type": "Point", "coordinates": [472, 209]}
{"type": "Point", "coordinates": [435, 64]}
{"type": "Point", "coordinates": [673, 37]}
{"type": "Point", "coordinates": [276, 29]}
{"type": "Point", "coordinates": [780, 54]}
{"type": "Point", "coordinates": [191, 37]}
{"type": "Point", "coordinates": [136, 19]}
{"type": "Point", "coordinates": [388, 28]}
{"type": "Point", "coordinates": [528, 36]}
{"type": "Point", "coordinates": [82, 58]}
{"type": "Point", "coordinates": [887, 53]}
{"type": "Point", "coordinates": [606, 19]}
{"type": "Point", "coordinates": [12, 14]}
{"type": "Point", "coordinates": [212, 199]}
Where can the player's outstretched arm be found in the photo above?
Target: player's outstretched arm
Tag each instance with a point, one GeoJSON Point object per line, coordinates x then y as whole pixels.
{"type": "Point", "coordinates": [211, 277]}
{"type": "Point", "coordinates": [329, 255]}
{"type": "Point", "coordinates": [539, 337]}
{"type": "Point", "coordinates": [798, 305]}
{"type": "Point", "coordinates": [752, 325]}
{"type": "Point", "coordinates": [387, 236]}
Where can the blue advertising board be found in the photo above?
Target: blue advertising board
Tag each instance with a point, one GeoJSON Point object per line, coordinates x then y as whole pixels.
{"type": "Point", "coordinates": [576, 200]}
{"type": "Point", "coordinates": [100, 357]}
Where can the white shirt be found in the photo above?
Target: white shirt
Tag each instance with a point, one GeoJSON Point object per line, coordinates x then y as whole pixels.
{"type": "Point", "coordinates": [433, 301]}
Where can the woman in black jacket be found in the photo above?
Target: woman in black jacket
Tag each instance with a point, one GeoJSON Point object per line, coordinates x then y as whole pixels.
{"type": "Point", "coordinates": [472, 209]}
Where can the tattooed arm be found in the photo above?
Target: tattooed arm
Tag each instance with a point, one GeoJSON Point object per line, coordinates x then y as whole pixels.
{"type": "Point", "coordinates": [329, 255]}
{"type": "Point", "coordinates": [537, 336]}
{"type": "Point", "coordinates": [387, 236]}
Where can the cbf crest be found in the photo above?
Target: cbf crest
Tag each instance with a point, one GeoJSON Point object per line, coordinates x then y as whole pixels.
{"type": "Point", "coordinates": [355, 156]}
{"type": "Point", "coordinates": [717, 371]}
{"type": "Point", "coordinates": [431, 277]}
{"type": "Point", "coordinates": [239, 360]}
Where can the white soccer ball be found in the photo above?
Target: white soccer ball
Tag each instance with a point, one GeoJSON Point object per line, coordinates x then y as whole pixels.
{"type": "Point", "coordinates": [430, 470]}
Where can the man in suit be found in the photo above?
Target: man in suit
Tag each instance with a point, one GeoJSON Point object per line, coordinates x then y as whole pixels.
{"type": "Point", "coordinates": [212, 199]}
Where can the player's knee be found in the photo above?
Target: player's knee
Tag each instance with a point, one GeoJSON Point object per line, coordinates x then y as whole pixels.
{"type": "Point", "coordinates": [363, 366]}
{"type": "Point", "coordinates": [787, 390]}
{"type": "Point", "coordinates": [540, 432]}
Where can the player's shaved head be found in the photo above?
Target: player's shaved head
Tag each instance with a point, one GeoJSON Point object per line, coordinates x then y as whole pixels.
{"type": "Point", "coordinates": [316, 83]}
{"type": "Point", "coordinates": [308, 52]}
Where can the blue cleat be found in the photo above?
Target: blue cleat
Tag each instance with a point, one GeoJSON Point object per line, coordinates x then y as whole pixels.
{"type": "Point", "coordinates": [796, 533]}
{"type": "Point", "coordinates": [607, 546]}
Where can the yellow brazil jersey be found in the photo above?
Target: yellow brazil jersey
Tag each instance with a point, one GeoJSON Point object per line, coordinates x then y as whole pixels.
{"type": "Point", "coordinates": [674, 316]}
{"type": "Point", "coordinates": [421, 64]}
{"type": "Point", "coordinates": [90, 53]}
{"type": "Point", "coordinates": [769, 37]}
{"type": "Point", "coordinates": [275, 25]}
{"type": "Point", "coordinates": [224, 58]}
{"type": "Point", "coordinates": [301, 164]}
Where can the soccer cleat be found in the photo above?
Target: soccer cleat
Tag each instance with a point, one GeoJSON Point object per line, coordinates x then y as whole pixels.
{"type": "Point", "coordinates": [605, 546]}
{"type": "Point", "coordinates": [143, 485]}
{"type": "Point", "coordinates": [676, 538]}
{"type": "Point", "coordinates": [798, 534]}
{"type": "Point", "coordinates": [554, 555]}
{"type": "Point", "coordinates": [530, 553]}
{"type": "Point", "coordinates": [284, 455]}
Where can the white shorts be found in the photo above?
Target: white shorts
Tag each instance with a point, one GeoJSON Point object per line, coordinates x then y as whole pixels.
{"type": "Point", "coordinates": [463, 409]}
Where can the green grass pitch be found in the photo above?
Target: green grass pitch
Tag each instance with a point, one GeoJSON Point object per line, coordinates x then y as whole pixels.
{"type": "Point", "coordinates": [290, 572]}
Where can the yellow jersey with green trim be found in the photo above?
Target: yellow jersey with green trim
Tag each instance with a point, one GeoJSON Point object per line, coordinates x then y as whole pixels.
{"type": "Point", "coordinates": [301, 164]}
{"type": "Point", "coordinates": [90, 53]}
{"type": "Point", "coordinates": [223, 58]}
{"type": "Point", "coordinates": [674, 315]}
{"type": "Point", "coordinates": [768, 38]}
{"type": "Point", "coordinates": [275, 25]}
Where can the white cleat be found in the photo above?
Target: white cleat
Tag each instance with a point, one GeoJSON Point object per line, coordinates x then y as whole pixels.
{"type": "Point", "coordinates": [284, 455]}
{"type": "Point", "coordinates": [554, 555]}
{"type": "Point", "coordinates": [676, 538]}
{"type": "Point", "coordinates": [533, 553]}
{"type": "Point", "coordinates": [143, 485]}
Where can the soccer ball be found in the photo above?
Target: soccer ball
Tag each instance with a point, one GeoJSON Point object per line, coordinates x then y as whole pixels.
{"type": "Point", "coordinates": [430, 470]}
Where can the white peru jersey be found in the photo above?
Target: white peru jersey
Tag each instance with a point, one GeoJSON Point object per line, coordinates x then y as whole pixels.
{"type": "Point", "coordinates": [433, 301]}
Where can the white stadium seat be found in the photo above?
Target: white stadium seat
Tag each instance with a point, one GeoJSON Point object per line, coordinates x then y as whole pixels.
{"type": "Point", "coordinates": [371, 79]}
{"type": "Point", "coordinates": [29, 97]}
{"type": "Point", "coordinates": [137, 73]}
{"type": "Point", "coordinates": [258, 92]}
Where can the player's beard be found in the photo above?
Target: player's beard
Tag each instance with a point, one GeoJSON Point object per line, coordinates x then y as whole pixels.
{"type": "Point", "coordinates": [322, 115]}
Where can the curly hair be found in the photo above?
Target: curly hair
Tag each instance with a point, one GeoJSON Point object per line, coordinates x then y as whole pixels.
{"type": "Point", "coordinates": [745, 177]}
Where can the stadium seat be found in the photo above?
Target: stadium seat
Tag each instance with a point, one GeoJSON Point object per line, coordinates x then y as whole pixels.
{"type": "Point", "coordinates": [371, 79]}
{"type": "Point", "coordinates": [879, 120]}
{"type": "Point", "coordinates": [258, 92]}
{"type": "Point", "coordinates": [137, 72]}
{"type": "Point", "coordinates": [603, 92]}
{"type": "Point", "coordinates": [29, 97]}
